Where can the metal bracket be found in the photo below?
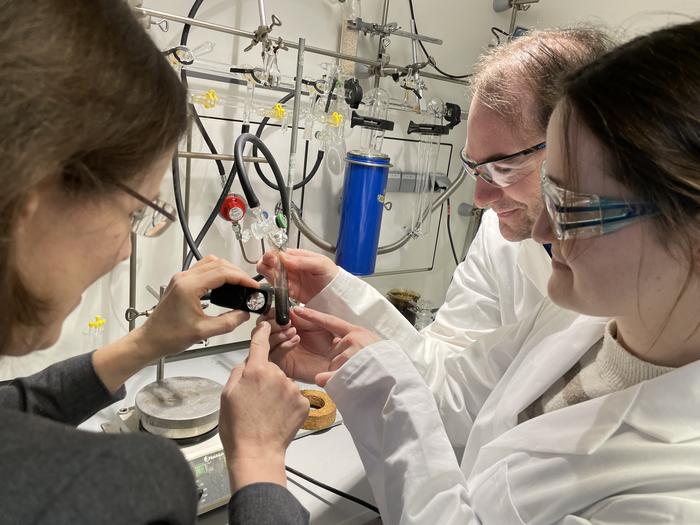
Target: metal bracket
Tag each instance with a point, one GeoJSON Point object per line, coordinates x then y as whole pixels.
{"type": "Point", "coordinates": [392, 28]}
{"type": "Point", "coordinates": [262, 35]}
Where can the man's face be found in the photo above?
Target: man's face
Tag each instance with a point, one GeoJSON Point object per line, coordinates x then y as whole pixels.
{"type": "Point", "coordinates": [490, 136]}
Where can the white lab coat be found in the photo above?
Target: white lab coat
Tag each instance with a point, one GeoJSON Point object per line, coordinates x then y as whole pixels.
{"type": "Point", "coordinates": [629, 457]}
{"type": "Point", "coordinates": [499, 283]}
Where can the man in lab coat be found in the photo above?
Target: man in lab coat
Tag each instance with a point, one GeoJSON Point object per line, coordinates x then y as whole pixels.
{"type": "Point", "coordinates": [504, 276]}
{"type": "Point", "coordinates": [505, 273]}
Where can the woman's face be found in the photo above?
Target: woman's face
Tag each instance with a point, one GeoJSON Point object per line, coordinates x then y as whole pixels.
{"type": "Point", "coordinates": [65, 244]}
{"type": "Point", "coordinates": [624, 273]}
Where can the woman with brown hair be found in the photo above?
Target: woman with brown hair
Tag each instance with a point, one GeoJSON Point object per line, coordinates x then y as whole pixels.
{"type": "Point", "coordinates": [571, 417]}
{"type": "Point", "coordinates": [91, 113]}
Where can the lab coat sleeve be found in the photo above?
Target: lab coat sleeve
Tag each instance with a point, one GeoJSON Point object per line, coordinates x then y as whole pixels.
{"type": "Point", "coordinates": [396, 428]}
{"type": "Point", "coordinates": [473, 304]}
{"type": "Point", "coordinates": [460, 379]}
{"type": "Point", "coordinates": [640, 509]}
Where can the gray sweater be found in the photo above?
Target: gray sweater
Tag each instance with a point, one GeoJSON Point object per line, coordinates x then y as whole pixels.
{"type": "Point", "coordinates": [54, 474]}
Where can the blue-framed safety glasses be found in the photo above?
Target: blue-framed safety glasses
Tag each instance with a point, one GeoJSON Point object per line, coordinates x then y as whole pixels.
{"type": "Point", "coordinates": [506, 170]}
{"type": "Point", "coordinates": [586, 215]}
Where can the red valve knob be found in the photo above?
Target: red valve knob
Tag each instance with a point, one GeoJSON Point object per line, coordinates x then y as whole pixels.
{"type": "Point", "coordinates": [233, 208]}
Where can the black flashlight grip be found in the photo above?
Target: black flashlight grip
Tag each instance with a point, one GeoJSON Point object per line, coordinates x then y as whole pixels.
{"type": "Point", "coordinates": [238, 297]}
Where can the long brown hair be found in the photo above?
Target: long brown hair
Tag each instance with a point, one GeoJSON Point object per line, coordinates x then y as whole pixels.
{"type": "Point", "coordinates": [86, 98]}
{"type": "Point", "coordinates": [641, 101]}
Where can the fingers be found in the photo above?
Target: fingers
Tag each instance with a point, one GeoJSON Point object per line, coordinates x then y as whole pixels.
{"type": "Point", "coordinates": [334, 325]}
{"type": "Point", "coordinates": [221, 324]}
{"type": "Point", "coordinates": [299, 323]}
{"type": "Point", "coordinates": [284, 336]}
{"type": "Point", "coordinates": [259, 345]}
{"type": "Point", "coordinates": [220, 275]}
{"type": "Point", "coordinates": [342, 358]}
{"type": "Point", "coordinates": [267, 263]}
{"type": "Point", "coordinates": [211, 272]}
{"type": "Point", "coordinates": [323, 378]}
{"type": "Point", "coordinates": [286, 346]}
{"type": "Point", "coordinates": [270, 317]}
{"type": "Point", "coordinates": [209, 262]}
{"type": "Point", "coordinates": [306, 264]}
{"type": "Point", "coordinates": [298, 252]}
{"type": "Point", "coordinates": [295, 259]}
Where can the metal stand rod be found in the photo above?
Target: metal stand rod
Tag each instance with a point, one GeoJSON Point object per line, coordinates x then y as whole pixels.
{"type": "Point", "coordinates": [292, 45]}
{"type": "Point", "coordinates": [218, 156]}
{"type": "Point", "coordinates": [188, 167]}
{"type": "Point", "coordinates": [295, 127]}
{"type": "Point", "coordinates": [380, 50]}
{"type": "Point", "coordinates": [132, 280]}
{"type": "Point", "coordinates": [385, 13]}
{"type": "Point", "coordinates": [261, 9]}
{"type": "Point", "coordinates": [160, 369]}
{"type": "Point", "coordinates": [513, 17]}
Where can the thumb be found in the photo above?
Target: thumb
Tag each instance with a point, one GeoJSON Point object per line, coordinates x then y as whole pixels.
{"type": "Point", "coordinates": [323, 378]}
{"type": "Point", "coordinates": [223, 323]}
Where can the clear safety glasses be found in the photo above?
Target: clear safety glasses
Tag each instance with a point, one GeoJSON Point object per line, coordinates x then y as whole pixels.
{"type": "Point", "coordinates": [582, 215]}
{"type": "Point", "coordinates": [504, 171]}
{"type": "Point", "coordinates": [154, 219]}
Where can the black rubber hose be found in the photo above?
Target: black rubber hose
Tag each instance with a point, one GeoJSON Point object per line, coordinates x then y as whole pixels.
{"type": "Point", "coordinates": [253, 201]}
{"type": "Point", "coordinates": [212, 216]}
{"type": "Point", "coordinates": [186, 29]}
{"type": "Point", "coordinates": [181, 211]}
{"type": "Point", "coordinates": [449, 233]}
{"type": "Point", "coordinates": [431, 60]}
{"type": "Point", "coordinates": [207, 139]}
{"type": "Point", "coordinates": [192, 243]}
{"type": "Point", "coordinates": [258, 169]}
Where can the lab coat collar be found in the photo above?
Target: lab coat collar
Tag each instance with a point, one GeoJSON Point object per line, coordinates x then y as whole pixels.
{"type": "Point", "coordinates": [664, 408]}
{"type": "Point", "coordinates": [553, 356]}
{"type": "Point", "coordinates": [535, 264]}
{"type": "Point", "coordinates": [667, 406]}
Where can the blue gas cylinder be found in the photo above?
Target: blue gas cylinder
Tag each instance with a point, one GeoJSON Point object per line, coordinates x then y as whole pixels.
{"type": "Point", "coordinates": [366, 176]}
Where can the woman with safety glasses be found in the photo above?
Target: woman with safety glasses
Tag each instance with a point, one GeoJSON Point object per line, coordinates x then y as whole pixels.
{"type": "Point", "coordinates": [91, 114]}
{"type": "Point", "coordinates": [587, 414]}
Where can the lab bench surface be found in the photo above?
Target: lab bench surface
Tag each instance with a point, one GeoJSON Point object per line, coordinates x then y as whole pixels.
{"type": "Point", "coordinates": [328, 456]}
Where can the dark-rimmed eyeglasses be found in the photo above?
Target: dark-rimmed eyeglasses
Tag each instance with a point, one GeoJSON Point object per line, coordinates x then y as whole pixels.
{"type": "Point", "coordinates": [154, 219]}
{"type": "Point", "coordinates": [506, 170]}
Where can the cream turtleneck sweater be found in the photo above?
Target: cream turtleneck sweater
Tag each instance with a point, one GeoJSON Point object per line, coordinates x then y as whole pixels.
{"type": "Point", "coordinates": [607, 367]}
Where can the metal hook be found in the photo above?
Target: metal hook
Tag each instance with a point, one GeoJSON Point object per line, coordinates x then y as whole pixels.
{"type": "Point", "coordinates": [132, 314]}
{"type": "Point", "coordinates": [162, 25]}
{"type": "Point", "coordinates": [275, 21]}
